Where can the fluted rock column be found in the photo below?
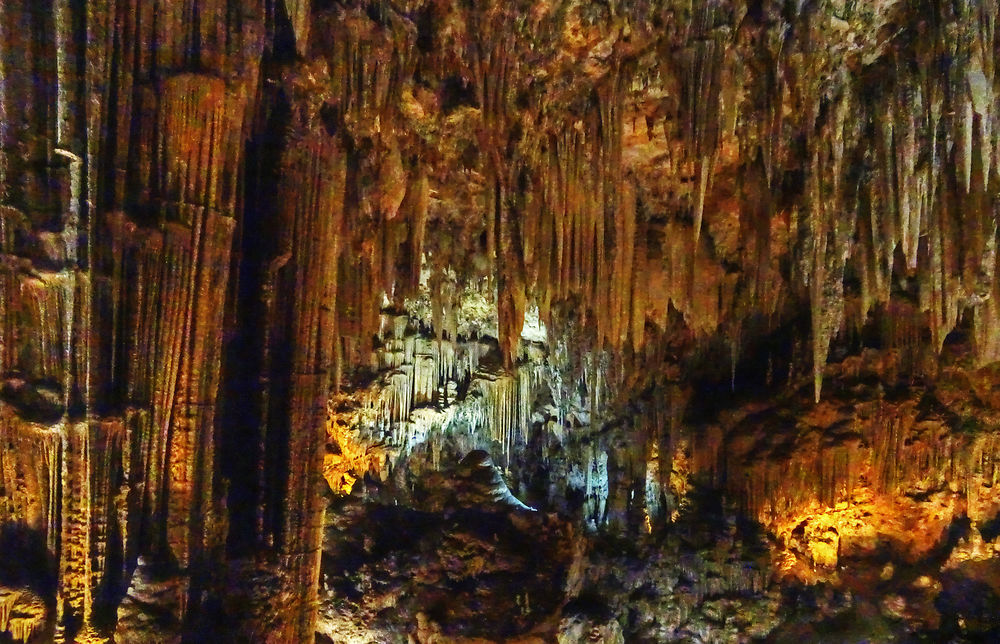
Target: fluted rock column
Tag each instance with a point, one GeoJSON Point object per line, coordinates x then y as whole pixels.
{"type": "Point", "coordinates": [313, 211]}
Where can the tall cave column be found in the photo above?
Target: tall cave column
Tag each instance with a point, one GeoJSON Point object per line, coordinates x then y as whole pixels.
{"type": "Point", "coordinates": [300, 334]}
{"type": "Point", "coordinates": [164, 265]}
{"type": "Point", "coordinates": [179, 79]}
{"type": "Point", "coordinates": [115, 244]}
{"type": "Point", "coordinates": [45, 194]}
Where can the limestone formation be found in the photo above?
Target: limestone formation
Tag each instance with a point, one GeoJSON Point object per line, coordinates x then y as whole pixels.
{"type": "Point", "coordinates": [258, 254]}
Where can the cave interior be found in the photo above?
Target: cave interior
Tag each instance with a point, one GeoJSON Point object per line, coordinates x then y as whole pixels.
{"type": "Point", "coordinates": [455, 322]}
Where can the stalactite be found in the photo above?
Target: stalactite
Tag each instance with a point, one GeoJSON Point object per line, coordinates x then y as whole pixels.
{"type": "Point", "coordinates": [105, 455]}
{"type": "Point", "coordinates": [653, 489]}
{"type": "Point", "coordinates": [22, 614]}
{"type": "Point", "coordinates": [7, 600]}
{"type": "Point", "coordinates": [596, 490]}
{"type": "Point", "coordinates": [74, 595]}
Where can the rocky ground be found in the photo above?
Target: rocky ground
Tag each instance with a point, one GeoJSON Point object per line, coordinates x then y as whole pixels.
{"type": "Point", "coordinates": [471, 575]}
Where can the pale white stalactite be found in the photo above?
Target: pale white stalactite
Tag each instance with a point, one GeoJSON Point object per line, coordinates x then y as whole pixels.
{"type": "Point", "coordinates": [62, 16]}
{"type": "Point", "coordinates": [446, 360]}
{"type": "Point", "coordinates": [383, 324]}
{"type": "Point", "coordinates": [597, 488]}
{"type": "Point", "coordinates": [967, 113]}
{"type": "Point", "coordinates": [425, 378]}
{"type": "Point", "coordinates": [72, 220]}
{"type": "Point", "coordinates": [534, 329]}
{"type": "Point", "coordinates": [983, 103]}
{"type": "Point", "coordinates": [403, 385]}
{"type": "Point", "coordinates": [653, 490]}
{"type": "Point", "coordinates": [409, 348]}
{"type": "Point", "coordinates": [399, 327]}
{"type": "Point", "coordinates": [525, 378]}
{"type": "Point", "coordinates": [908, 208]}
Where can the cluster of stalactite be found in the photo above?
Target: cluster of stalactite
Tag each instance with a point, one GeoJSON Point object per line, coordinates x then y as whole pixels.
{"type": "Point", "coordinates": [431, 400]}
{"type": "Point", "coordinates": [731, 137]}
{"type": "Point", "coordinates": [122, 168]}
{"type": "Point", "coordinates": [22, 614]}
{"type": "Point", "coordinates": [776, 464]}
{"type": "Point", "coordinates": [867, 159]}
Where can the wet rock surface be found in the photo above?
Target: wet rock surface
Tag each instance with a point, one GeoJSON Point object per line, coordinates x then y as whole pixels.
{"type": "Point", "coordinates": [471, 572]}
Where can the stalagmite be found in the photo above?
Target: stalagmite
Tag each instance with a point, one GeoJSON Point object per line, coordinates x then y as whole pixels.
{"type": "Point", "coordinates": [966, 144]}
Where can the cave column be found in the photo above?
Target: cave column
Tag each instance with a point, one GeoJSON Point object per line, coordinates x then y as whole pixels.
{"type": "Point", "coordinates": [310, 212]}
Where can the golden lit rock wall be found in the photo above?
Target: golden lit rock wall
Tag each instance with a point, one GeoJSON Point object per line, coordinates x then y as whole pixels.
{"type": "Point", "coordinates": [121, 162]}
